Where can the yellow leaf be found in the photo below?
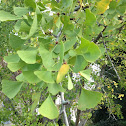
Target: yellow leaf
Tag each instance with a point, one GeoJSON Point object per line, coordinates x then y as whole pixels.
{"type": "Point", "coordinates": [112, 90]}
{"type": "Point", "coordinates": [102, 6]}
{"type": "Point", "coordinates": [121, 95]}
{"type": "Point", "coordinates": [63, 70]}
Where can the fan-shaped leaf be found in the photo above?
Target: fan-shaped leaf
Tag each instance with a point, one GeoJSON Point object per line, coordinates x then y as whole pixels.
{"type": "Point", "coordinates": [31, 77]}
{"type": "Point", "coordinates": [46, 76]}
{"type": "Point", "coordinates": [16, 42]}
{"type": "Point", "coordinates": [80, 64]}
{"type": "Point", "coordinates": [15, 66]}
{"type": "Point", "coordinates": [63, 70]}
{"type": "Point", "coordinates": [83, 46]}
{"type": "Point", "coordinates": [86, 73]}
{"type": "Point", "coordinates": [12, 58]}
{"type": "Point", "coordinates": [90, 18]}
{"type": "Point", "coordinates": [20, 11]}
{"type": "Point", "coordinates": [102, 6]}
{"type": "Point", "coordinates": [93, 53]}
{"type": "Point", "coordinates": [48, 109]}
{"type": "Point", "coordinates": [88, 99]}
{"type": "Point", "coordinates": [28, 56]}
{"type": "Point", "coordinates": [46, 56]}
{"type": "Point", "coordinates": [6, 16]}
{"type": "Point", "coordinates": [55, 88]}
{"type": "Point", "coordinates": [11, 88]}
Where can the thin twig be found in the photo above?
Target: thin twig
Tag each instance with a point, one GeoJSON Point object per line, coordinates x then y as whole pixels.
{"type": "Point", "coordinates": [111, 60]}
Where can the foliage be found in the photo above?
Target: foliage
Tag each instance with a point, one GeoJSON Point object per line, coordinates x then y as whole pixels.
{"type": "Point", "coordinates": [47, 45]}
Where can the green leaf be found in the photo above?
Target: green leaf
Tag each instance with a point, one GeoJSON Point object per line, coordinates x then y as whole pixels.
{"type": "Point", "coordinates": [35, 100]}
{"type": "Point", "coordinates": [58, 22]}
{"type": "Point", "coordinates": [12, 58]}
{"type": "Point", "coordinates": [72, 53]}
{"type": "Point", "coordinates": [20, 11]}
{"type": "Point", "coordinates": [86, 73]}
{"type": "Point", "coordinates": [83, 46]}
{"type": "Point", "coordinates": [30, 3]}
{"type": "Point", "coordinates": [15, 41]}
{"type": "Point", "coordinates": [80, 64]}
{"type": "Point", "coordinates": [6, 16]}
{"type": "Point", "coordinates": [28, 56]}
{"type": "Point", "coordinates": [67, 3]}
{"type": "Point", "coordinates": [20, 77]}
{"type": "Point", "coordinates": [46, 56]}
{"type": "Point", "coordinates": [31, 67]}
{"type": "Point", "coordinates": [31, 77]}
{"type": "Point", "coordinates": [33, 28]}
{"type": "Point", "coordinates": [93, 53]}
{"type": "Point", "coordinates": [41, 84]}
{"type": "Point", "coordinates": [102, 49]}
{"type": "Point", "coordinates": [15, 66]}
{"type": "Point", "coordinates": [24, 27]}
{"type": "Point", "coordinates": [90, 18]}
{"type": "Point", "coordinates": [11, 88]}
{"type": "Point", "coordinates": [55, 88]}
{"type": "Point", "coordinates": [48, 109]}
{"type": "Point", "coordinates": [70, 84]}
{"type": "Point", "coordinates": [46, 76]}
{"type": "Point", "coordinates": [88, 99]}
{"type": "Point", "coordinates": [69, 44]}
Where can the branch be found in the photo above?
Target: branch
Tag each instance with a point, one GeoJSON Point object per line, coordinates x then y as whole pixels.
{"type": "Point", "coordinates": [111, 60]}
{"type": "Point", "coordinates": [78, 111]}
{"type": "Point", "coordinates": [100, 35]}
{"type": "Point", "coordinates": [121, 28]}
{"type": "Point", "coordinates": [78, 117]}
{"type": "Point", "coordinates": [78, 7]}
{"type": "Point", "coordinates": [64, 109]}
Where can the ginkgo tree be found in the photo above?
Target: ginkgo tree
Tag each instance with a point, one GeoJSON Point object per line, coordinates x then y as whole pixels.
{"type": "Point", "coordinates": [51, 40]}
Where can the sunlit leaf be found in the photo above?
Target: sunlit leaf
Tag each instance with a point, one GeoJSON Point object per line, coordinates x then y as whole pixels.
{"type": "Point", "coordinates": [20, 77]}
{"type": "Point", "coordinates": [93, 53]}
{"type": "Point", "coordinates": [28, 56]}
{"type": "Point", "coordinates": [83, 46]}
{"type": "Point", "coordinates": [70, 84]}
{"type": "Point", "coordinates": [86, 73]}
{"type": "Point", "coordinates": [48, 109]}
{"type": "Point", "coordinates": [12, 58]}
{"type": "Point", "coordinates": [31, 77]}
{"type": "Point", "coordinates": [46, 76]}
{"type": "Point", "coordinates": [15, 66]}
{"type": "Point", "coordinates": [88, 99]}
{"type": "Point", "coordinates": [6, 16]}
{"type": "Point", "coordinates": [102, 6]}
{"type": "Point", "coordinates": [90, 18]}
{"type": "Point", "coordinates": [63, 70]}
{"type": "Point", "coordinates": [11, 88]}
{"type": "Point", "coordinates": [20, 11]}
